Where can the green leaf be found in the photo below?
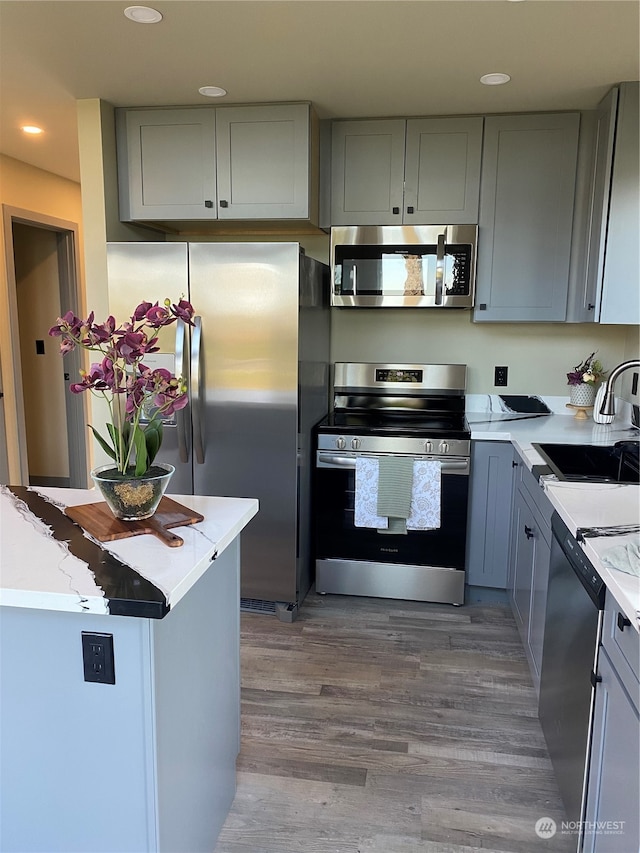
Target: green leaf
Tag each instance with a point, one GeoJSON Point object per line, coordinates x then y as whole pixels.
{"type": "Point", "coordinates": [153, 439]}
{"type": "Point", "coordinates": [114, 434]}
{"type": "Point", "coordinates": [141, 451]}
{"type": "Point", "coordinates": [103, 444]}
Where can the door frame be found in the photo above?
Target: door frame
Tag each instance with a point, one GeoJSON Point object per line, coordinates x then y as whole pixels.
{"type": "Point", "coordinates": [67, 235]}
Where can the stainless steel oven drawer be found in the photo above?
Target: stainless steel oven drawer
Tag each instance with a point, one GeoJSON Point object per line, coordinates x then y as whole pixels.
{"type": "Point", "coordinates": [390, 580]}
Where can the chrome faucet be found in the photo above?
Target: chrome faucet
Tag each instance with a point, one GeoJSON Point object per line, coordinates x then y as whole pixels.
{"type": "Point", "coordinates": [608, 403]}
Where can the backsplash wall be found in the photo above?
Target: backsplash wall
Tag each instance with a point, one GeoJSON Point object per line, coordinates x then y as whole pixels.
{"type": "Point", "coordinates": [538, 355]}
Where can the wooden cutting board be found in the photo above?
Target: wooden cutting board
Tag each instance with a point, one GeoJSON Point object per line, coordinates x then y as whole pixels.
{"type": "Point", "coordinates": [98, 520]}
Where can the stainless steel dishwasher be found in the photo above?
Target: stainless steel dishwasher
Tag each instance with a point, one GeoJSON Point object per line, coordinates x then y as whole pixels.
{"type": "Point", "coordinates": [573, 629]}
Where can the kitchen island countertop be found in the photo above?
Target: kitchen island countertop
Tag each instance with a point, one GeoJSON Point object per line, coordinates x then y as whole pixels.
{"type": "Point", "coordinates": [50, 563]}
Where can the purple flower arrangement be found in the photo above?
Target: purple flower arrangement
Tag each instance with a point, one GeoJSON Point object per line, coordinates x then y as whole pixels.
{"type": "Point", "coordinates": [131, 389]}
{"type": "Point", "coordinates": [589, 372]}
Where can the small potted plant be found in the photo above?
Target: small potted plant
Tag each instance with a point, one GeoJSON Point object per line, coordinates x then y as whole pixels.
{"type": "Point", "coordinates": [583, 381]}
{"type": "Point", "coordinates": [138, 398]}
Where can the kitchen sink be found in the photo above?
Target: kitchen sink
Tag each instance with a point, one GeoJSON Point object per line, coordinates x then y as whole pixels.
{"type": "Point", "coordinates": [593, 463]}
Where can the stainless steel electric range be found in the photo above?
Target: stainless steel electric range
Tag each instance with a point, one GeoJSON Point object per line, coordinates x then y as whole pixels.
{"type": "Point", "coordinates": [416, 411]}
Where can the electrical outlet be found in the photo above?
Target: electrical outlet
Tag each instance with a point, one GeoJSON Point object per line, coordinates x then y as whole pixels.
{"type": "Point", "coordinates": [97, 658]}
{"type": "Point", "coordinates": [500, 376]}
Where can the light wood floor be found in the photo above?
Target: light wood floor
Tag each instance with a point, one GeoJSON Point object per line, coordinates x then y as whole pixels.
{"type": "Point", "coordinates": [375, 726]}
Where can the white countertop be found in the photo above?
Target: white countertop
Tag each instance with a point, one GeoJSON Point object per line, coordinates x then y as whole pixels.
{"type": "Point", "coordinates": [580, 505]}
{"type": "Point", "coordinates": [39, 570]}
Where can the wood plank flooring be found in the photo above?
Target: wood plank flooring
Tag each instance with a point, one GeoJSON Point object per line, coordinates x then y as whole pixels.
{"type": "Point", "coordinates": [376, 726]}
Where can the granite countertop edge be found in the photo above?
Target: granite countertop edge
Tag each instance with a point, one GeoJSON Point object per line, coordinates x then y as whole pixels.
{"type": "Point", "coordinates": [41, 569]}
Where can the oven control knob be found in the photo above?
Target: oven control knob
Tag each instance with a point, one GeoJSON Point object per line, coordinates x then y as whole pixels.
{"type": "Point", "coordinates": [444, 447]}
{"type": "Point", "coordinates": [355, 443]}
{"type": "Point", "coordinates": [428, 446]}
{"type": "Point", "coordinates": [341, 443]}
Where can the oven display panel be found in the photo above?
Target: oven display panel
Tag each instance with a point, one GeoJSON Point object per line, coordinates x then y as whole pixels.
{"type": "Point", "coordinates": [391, 375]}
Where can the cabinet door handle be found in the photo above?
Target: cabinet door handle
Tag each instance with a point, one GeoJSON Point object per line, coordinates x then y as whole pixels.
{"type": "Point", "coordinates": [590, 306]}
{"type": "Point", "coordinates": [208, 203]}
{"type": "Point", "coordinates": [514, 464]}
{"type": "Point", "coordinates": [528, 532]}
{"type": "Point", "coordinates": [395, 210]}
{"type": "Point", "coordinates": [410, 210]}
{"type": "Point", "coordinates": [224, 203]}
{"type": "Point", "coordinates": [595, 679]}
{"type": "Point", "coordinates": [623, 622]}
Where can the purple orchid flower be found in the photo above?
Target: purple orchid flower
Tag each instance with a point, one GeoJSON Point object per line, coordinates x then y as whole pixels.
{"type": "Point", "coordinates": [156, 393]}
{"type": "Point", "coordinates": [184, 311]}
{"type": "Point", "coordinates": [158, 316]}
{"type": "Point", "coordinates": [141, 312]}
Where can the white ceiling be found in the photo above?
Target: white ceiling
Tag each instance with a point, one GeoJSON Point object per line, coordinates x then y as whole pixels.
{"type": "Point", "coordinates": [351, 58]}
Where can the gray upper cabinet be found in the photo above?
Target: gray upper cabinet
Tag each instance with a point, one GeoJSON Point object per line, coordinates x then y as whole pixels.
{"type": "Point", "coordinates": [604, 263]}
{"type": "Point", "coordinates": [526, 212]}
{"type": "Point", "coordinates": [206, 163]}
{"type": "Point", "coordinates": [367, 172]}
{"type": "Point", "coordinates": [595, 159]}
{"type": "Point", "coordinates": [263, 161]}
{"type": "Point", "coordinates": [412, 172]}
{"type": "Point", "coordinates": [166, 164]}
{"type": "Point", "coordinates": [620, 301]}
{"type": "Point", "coordinates": [442, 171]}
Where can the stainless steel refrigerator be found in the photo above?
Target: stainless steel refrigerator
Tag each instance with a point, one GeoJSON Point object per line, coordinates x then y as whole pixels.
{"type": "Point", "coordinates": [257, 364]}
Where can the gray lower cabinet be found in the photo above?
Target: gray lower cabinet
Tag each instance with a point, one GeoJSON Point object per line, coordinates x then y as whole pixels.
{"type": "Point", "coordinates": [420, 171]}
{"type": "Point", "coordinates": [526, 216]}
{"type": "Point", "coordinates": [210, 163]}
{"type": "Point", "coordinates": [529, 566]}
{"type": "Point", "coordinates": [489, 520]}
{"type": "Point", "coordinates": [612, 819]}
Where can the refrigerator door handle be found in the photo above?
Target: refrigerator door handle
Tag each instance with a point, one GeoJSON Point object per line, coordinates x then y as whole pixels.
{"type": "Point", "coordinates": [196, 390]}
{"type": "Point", "coordinates": [181, 370]}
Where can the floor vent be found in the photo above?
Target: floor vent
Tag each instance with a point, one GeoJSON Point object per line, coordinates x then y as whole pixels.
{"type": "Point", "coordinates": [257, 605]}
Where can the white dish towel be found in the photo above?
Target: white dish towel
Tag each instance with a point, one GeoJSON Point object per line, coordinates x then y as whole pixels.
{"type": "Point", "coordinates": [624, 558]}
{"type": "Point", "coordinates": [425, 495]}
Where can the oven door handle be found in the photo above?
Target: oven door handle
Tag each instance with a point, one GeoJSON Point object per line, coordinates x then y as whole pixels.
{"type": "Point", "coordinates": [333, 461]}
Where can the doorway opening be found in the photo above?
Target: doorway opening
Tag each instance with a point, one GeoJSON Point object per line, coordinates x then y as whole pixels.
{"type": "Point", "coordinates": [42, 277]}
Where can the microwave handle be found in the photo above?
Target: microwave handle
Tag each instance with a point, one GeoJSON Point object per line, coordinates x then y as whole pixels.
{"type": "Point", "coordinates": [440, 268]}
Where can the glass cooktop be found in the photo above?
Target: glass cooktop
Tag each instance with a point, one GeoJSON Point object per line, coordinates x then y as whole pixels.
{"type": "Point", "coordinates": [453, 425]}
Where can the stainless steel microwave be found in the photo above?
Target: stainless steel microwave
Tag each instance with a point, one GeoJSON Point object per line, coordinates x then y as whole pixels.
{"type": "Point", "coordinates": [428, 266]}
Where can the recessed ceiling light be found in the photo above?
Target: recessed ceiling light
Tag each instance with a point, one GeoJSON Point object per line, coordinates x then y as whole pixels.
{"type": "Point", "coordinates": [32, 129]}
{"type": "Point", "coordinates": [212, 91]}
{"type": "Point", "coordinates": [495, 79]}
{"type": "Point", "coordinates": [142, 14]}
